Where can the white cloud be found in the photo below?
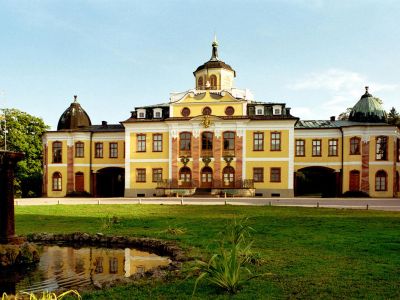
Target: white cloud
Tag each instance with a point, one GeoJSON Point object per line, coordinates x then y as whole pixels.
{"type": "Point", "coordinates": [332, 79]}
{"type": "Point", "coordinates": [342, 88]}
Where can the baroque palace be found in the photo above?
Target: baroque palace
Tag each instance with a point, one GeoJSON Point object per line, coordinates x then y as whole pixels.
{"type": "Point", "coordinates": [216, 139]}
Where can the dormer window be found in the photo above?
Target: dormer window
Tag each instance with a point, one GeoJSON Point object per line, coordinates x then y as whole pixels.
{"type": "Point", "coordinates": [259, 110]}
{"type": "Point", "coordinates": [141, 113]}
{"type": "Point", "coordinates": [277, 110]}
{"type": "Point", "coordinates": [157, 112]}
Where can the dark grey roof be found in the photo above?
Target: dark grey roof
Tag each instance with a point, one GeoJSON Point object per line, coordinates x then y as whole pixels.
{"type": "Point", "coordinates": [154, 106]}
{"type": "Point", "coordinates": [315, 124]}
{"type": "Point", "coordinates": [73, 117]}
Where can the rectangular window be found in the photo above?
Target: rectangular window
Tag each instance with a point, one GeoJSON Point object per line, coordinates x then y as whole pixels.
{"type": "Point", "coordinates": [79, 149]}
{"type": "Point", "coordinates": [157, 175]}
{"type": "Point", "coordinates": [141, 143]}
{"type": "Point", "coordinates": [184, 141]}
{"type": "Point", "coordinates": [258, 174]}
{"type": "Point", "coordinates": [113, 265]}
{"type": "Point", "coordinates": [229, 141]}
{"type": "Point", "coordinates": [98, 150]}
{"type": "Point", "coordinates": [113, 150]}
{"type": "Point", "coordinates": [140, 175]}
{"type": "Point", "coordinates": [57, 152]}
{"type": "Point", "coordinates": [275, 174]}
{"type": "Point", "coordinates": [275, 141]}
{"type": "Point", "coordinates": [258, 141]}
{"type": "Point", "coordinates": [300, 147]}
{"type": "Point", "coordinates": [157, 142]}
{"type": "Point", "coordinates": [355, 145]}
{"type": "Point", "coordinates": [316, 147]}
{"type": "Point", "coordinates": [381, 148]}
{"type": "Point", "coordinates": [333, 147]}
{"type": "Point", "coordinates": [398, 150]}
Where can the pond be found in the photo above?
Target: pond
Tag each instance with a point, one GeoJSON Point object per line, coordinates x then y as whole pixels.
{"type": "Point", "coordinates": [63, 267]}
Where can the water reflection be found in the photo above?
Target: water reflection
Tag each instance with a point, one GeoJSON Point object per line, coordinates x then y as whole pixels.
{"type": "Point", "coordinates": [69, 268]}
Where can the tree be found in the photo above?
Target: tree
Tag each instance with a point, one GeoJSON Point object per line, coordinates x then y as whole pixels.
{"type": "Point", "coordinates": [393, 117]}
{"type": "Point", "coordinates": [24, 134]}
{"type": "Point", "coordinates": [345, 115]}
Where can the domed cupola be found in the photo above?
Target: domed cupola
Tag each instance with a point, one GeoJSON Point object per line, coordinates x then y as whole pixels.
{"type": "Point", "coordinates": [214, 74]}
{"type": "Point", "coordinates": [74, 117]}
{"type": "Point", "coordinates": [368, 109]}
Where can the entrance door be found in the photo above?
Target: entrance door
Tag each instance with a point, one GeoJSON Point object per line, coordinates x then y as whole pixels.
{"type": "Point", "coordinates": [79, 182]}
{"type": "Point", "coordinates": [206, 177]}
{"type": "Point", "coordinates": [354, 184]}
{"type": "Point", "coordinates": [228, 177]}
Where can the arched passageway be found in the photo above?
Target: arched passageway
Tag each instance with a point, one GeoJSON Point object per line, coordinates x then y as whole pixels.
{"type": "Point", "coordinates": [110, 182]}
{"type": "Point", "coordinates": [317, 181]}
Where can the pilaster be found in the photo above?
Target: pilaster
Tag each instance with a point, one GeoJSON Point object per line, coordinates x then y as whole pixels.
{"type": "Point", "coordinates": [365, 166]}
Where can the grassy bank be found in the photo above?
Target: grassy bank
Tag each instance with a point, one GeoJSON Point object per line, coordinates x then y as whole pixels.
{"type": "Point", "coordinates": [311, 253]}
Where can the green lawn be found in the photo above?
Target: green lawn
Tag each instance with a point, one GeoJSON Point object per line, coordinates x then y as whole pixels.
{"type": "Point", "coordinates": [311, 253]}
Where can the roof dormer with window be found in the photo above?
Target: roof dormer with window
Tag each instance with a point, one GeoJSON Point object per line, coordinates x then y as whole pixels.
{"type": "Point", "coordinates": [141, 113]}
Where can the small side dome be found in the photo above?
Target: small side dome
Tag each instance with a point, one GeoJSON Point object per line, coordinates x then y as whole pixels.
{"type": "Point", "coordinates": [74, 117]}
{"type": "Point", "coordinates": [368, 109]}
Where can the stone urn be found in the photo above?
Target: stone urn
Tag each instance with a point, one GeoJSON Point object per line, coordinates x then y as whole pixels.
{"type": "Point", "coordinates": [8, 162]}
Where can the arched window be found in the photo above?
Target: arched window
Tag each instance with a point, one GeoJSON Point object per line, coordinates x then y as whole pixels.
{"type": "Point", "coordinates": [228, 174]}
{"type": "Point", "coordinates": [200, 83]}
{"type": "Point", "coordinates": [354, 180]}
{"type": "Point", "coordinates": [355, 145]}
{"type": "Point", "coordinates": [57, 152]}
{"type": "Point", "coordinates": [213, 82]}
{"type": "Point", "coordinates": [206, 111]}
{"type": "Point", "coordinates": [185, 139]}
{"type": "Point", "coordinates": [57, 181]}
{"type": "Point", "coordinates": [185, 175]}
{"type": "Point", "coordinates": [229, 141]}
{"type": "Point", "coordinates": [381, 181]}
{"type": "Point", "coordinates": [207, 141]}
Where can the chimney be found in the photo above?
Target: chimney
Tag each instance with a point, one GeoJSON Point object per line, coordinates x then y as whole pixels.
{"type": "Point", "coordinates": [104, 123]}
{"type": "Point", "coordinates": [333, 118]}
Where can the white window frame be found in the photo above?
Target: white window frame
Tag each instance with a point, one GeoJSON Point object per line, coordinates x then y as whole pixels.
{"type": "Point", "coordinates": [259, 107]}
{"type": "Point", "coordinates": [141, 111]}
{"type": "Point", "coordinates": [276, 110]}
{"type": "Point", "coordinates": [155, 111]}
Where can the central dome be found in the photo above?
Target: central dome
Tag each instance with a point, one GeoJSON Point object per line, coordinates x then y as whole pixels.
{"type": "Point", "coordinates": [214, 62]}
{"type": "Point", "coordinates": [214, 74]}
{"type": "Point", "coordinates": [368, 109]}
{"type": "Point", "coordinates": [73, 117]}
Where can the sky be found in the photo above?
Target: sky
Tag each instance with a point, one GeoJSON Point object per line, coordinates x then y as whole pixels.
{"type": "Point", "coordinates": [314, 55]}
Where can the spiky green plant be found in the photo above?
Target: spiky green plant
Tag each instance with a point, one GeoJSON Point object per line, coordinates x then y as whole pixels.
{"type": "Point", "coordinates": [44, 296]}
{"type": "Point", "coordinates": [227, 269]}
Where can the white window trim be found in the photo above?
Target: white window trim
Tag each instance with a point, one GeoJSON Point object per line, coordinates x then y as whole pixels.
{"type": "Point", "coordinates": [276, 107]}
{"type": "Point", "coordinates": [140, 111]}
{"type": "Point", "coordinates": [155, 111]}
{"type": "Point", "coordinates": [262, 110]}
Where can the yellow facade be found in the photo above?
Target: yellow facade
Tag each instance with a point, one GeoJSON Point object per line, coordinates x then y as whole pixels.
{"type": "Point", "coordinates": [218, 139]}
